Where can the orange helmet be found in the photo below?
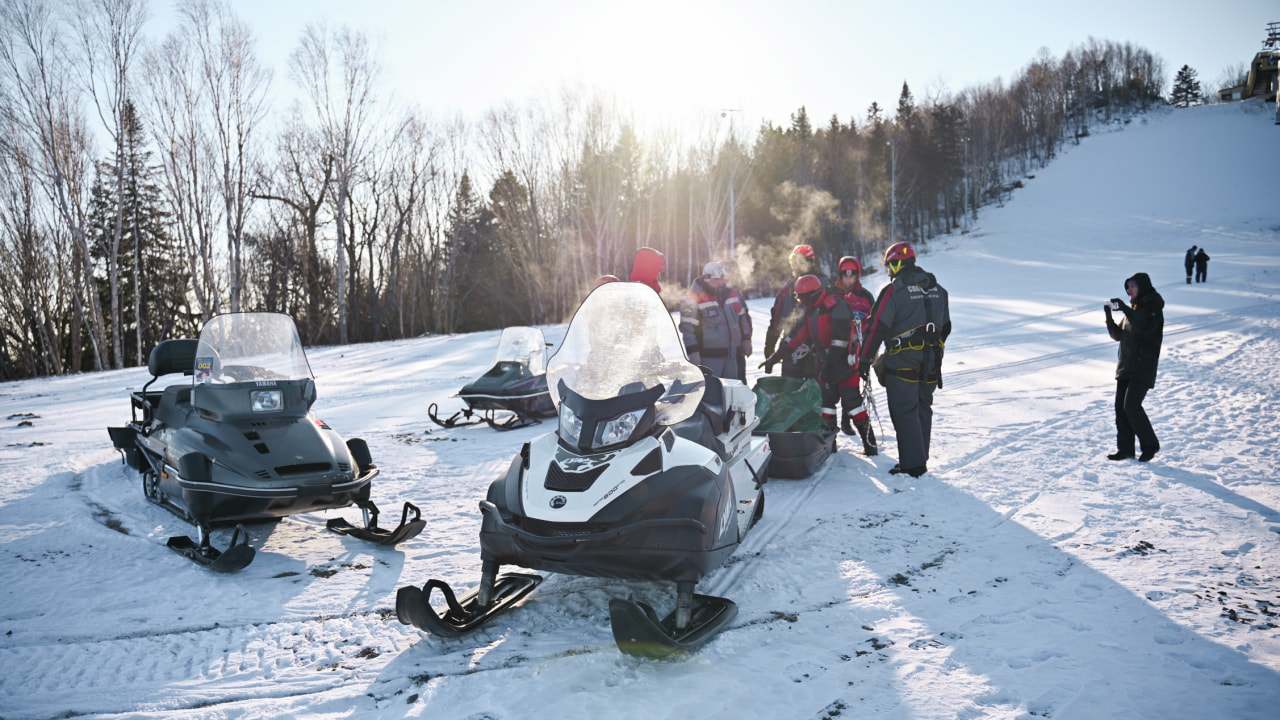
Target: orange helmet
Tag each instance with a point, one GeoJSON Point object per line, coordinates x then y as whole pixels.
{"type": "Point", "coordinates": [805, 251]}
{"type": "Point", "coordinates": [897, 255]}
{"type": "Point", "coordinates": [808, 288]}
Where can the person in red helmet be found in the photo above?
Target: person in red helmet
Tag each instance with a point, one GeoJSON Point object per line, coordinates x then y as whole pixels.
{"type": "Point", "coordinates": [912, 319]}
{"type": "Point", "coordinates": [853, 418]}
{"type": "Point", "coordinates": [646, 267]}
{"type": "Point", "coordinates": [787, 313]}
{"type": "Point", "coordinates": [826, 328]}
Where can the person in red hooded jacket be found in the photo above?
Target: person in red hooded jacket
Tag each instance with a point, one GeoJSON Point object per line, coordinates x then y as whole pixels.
{"type": "Point", "coordinates": [854, 418]}
{"type": "Point", "coordinates": [826, 328]}
{"type": "Point", "coordinates": [649, 263]}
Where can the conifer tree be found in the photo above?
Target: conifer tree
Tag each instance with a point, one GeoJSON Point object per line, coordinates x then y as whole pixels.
{"type": "Point", "coordinates": [1186, 88]}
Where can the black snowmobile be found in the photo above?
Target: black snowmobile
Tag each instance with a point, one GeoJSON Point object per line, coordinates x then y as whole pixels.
{"type": "Point", "coordinates": [238, 442]}
{"type": "Point", "coordinates": [516, 384]}
{"type": "Point", "coordinates": [653, 474]}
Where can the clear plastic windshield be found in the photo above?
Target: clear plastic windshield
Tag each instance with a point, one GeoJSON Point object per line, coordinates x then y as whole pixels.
{"type": "Point", "coordinates": [622, 340]}
{"type": "Point", "coordinates": [524, 345]}
{"type": "Point", "coordinates": [245, 347]}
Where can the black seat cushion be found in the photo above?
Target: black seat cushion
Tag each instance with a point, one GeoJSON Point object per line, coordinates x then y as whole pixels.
{"type": "Point", "coordinates": [173, 356]}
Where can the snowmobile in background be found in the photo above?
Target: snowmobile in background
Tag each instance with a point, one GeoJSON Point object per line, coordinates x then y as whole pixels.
{"type": "Point", "coordinates": [238, 442]}
{"type": "Point", "coordinates": [517, 384]}
{"type": "Point", "coordinates": [652, 474]}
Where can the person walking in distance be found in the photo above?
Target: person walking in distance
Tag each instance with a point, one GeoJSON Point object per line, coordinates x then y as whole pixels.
{"type": "Point", "coordinates": [853, 418]}
{"type": "Point", "coordinates": [1140, 333]}
{"type": "Point", "coordinates": [715, 325]}
{"type": "Point", "coordinates": [912, 319]}
{"type": "Point", "coordinates": [1202, 266]}
{"type": "Point", "coordinates": [1189, 262]}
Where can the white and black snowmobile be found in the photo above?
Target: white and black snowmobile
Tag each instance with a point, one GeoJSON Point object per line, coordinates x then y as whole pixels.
{"type": "Point", "coordinates": [653, 474]}
{"type": "Point", "coordinates": [516, 384]}
{"type": "Point", "coordinates": [238, 442]}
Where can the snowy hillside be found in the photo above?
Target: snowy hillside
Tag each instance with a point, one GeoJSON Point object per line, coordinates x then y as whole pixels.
{"type": "Point", "coordinates": [1024, 577]}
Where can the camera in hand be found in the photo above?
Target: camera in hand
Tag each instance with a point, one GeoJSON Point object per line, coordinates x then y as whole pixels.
{"type": "Point", "coordinates": [1115, 304]}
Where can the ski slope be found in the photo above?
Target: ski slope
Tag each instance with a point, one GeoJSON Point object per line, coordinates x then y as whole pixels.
{"type": "Point", "coordinates": [1024, 577]}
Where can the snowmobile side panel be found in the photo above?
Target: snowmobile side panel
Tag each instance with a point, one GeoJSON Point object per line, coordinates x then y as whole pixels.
{"type": "Point", "coordinates": [413, 605]}
{"type": "Point", "coordinates": [638, 631]}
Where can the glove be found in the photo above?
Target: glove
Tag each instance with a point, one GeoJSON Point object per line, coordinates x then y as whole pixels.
{"type": "Point", "coordinates": [695, 358]}
{"type": "Point", "coordinates": [1117, 303]}
{"type": "Point", "coordinates": [1107, 307]}
{"type": "Point", "coordinates": [746, 348]}
{"type": "Point", "coordinates": [773, 359]}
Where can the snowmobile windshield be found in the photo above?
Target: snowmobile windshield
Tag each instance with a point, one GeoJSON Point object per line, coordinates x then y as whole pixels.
{"type": "Point", "coordinates": [524, 345]}
{"type": "Point", "coordinates": [248, 347]}
{"type": "Point", "coordinates": [621, 341]}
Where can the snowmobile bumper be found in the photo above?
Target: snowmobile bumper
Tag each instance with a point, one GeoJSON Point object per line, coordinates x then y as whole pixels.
{"type": "Point", "coordinates": [654, 549]}
{"type": "Point", "coordinates": [222, 503]}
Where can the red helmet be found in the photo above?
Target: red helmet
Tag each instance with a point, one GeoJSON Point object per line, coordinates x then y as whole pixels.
{"type": "Point", "coordinates": [808, 288]}
{"type": "Point", "coordinates": [805, 251]}
{"type": "Point", "coordinates": [850, 265]}
{"type": "Point", "coordinates": [897, 255]}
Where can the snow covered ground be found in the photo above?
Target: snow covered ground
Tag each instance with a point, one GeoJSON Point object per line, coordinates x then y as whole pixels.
{"type": "Point", "coordinates": [1024, 577]}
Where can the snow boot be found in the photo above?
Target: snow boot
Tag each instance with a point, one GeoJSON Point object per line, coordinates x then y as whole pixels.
{"type": "Point", "coordinates": [868, 436]}
{"type": "Point", "coordinates": [1121, 455]}
{"type": "Point", "coordinates": [846, 424]}
{"type": "Point", "coordinates": [914, 472]}
{"type": "Point", "coordinates": [1148, 454]}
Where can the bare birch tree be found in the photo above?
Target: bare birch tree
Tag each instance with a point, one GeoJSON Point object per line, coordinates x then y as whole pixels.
{"type": "Point", "coordinates": [48, 111]}
{"type": "Point", "coordinates": [338, 73]}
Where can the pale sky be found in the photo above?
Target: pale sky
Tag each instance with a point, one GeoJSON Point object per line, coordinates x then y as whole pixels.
{"type": "Point", "coordinates": [684, 58]}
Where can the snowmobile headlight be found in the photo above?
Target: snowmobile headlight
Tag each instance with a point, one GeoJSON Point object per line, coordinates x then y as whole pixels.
{"type": "Point", "coordinates": [618, 429]}
{"type": "Point", "coordinates": [570, 425]}
{"type": "Point", "coordinates": [267, 400]}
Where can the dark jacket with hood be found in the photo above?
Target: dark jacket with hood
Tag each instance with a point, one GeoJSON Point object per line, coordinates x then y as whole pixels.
{"type": "Point", "coordinates": [912, 318]}
{"type": "Point", "coordinates": [1140, 333]}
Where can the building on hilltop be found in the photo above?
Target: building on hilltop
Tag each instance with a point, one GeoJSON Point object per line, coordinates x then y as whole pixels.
{"type": "Point", "coordinates": [1263, 79]}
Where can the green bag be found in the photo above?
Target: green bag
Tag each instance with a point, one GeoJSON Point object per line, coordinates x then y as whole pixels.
{"type": "Point", "coordinates": [788, 405]}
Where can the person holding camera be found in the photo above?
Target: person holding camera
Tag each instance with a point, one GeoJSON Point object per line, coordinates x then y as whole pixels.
{"type": "Point", "coordinates": [1139, 333]}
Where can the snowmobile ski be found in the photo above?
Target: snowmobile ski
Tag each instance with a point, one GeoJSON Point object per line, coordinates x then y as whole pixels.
{"type": "Point", "coordinates": [468, 418]}
{"type": "Point", "coordinates": [638, 631]}
{"type": "Point", "coordinates": [237, 556]}
{"type": "Point", "coordinates": [371, 532]}
{"type": "Point", "coordinates": [413, 605]}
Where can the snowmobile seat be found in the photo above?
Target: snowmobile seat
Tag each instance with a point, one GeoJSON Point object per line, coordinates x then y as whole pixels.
{"type": "Point", "coordinates": [172, 356]}
{"type": "Point", "coordinates": [708, 423]}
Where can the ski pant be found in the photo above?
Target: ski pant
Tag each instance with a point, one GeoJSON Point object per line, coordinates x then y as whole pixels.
{"type": "Point", "coordinates": [1131, 419]}
{"type": "Point", "coordinates": [911, 410]}
{"type": "Point", "coordinates": [1202, 274]}
{"type": "Point", "coordinates": [1189, 267]}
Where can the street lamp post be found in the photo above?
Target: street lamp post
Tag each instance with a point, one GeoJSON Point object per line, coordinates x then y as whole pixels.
{"type": "Point", "coordinates": [893, 190]}
{"type": "Point", "coordinates": [965, 212]}
{"type": "Point", "coordinates": [733, 208]}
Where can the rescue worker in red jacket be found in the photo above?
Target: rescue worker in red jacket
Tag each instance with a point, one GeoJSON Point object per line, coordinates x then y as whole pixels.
{"type": "Point", "coordinates": [646, 267]}
{"type": "Point", "coordinates": [912, 318]}
{"type": "Point", "coordinates": [854, 413]}
{"type": "Point", "coordinates": [715, 325]}
{"type": "Point", "coordinates": [787, 313]}
{"type": "Point", "coordinates": [826, 329]}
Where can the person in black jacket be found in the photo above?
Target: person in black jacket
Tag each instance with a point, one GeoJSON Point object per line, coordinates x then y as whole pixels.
{"type": "Point", "coordinates": [912, 319]}
{"type": "Point", "coordinates": [1189, 262]}
{"type": "Point", "coordinates": [1139, 333]}
{"type": "Point", "coordinates": [1202, 266]}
